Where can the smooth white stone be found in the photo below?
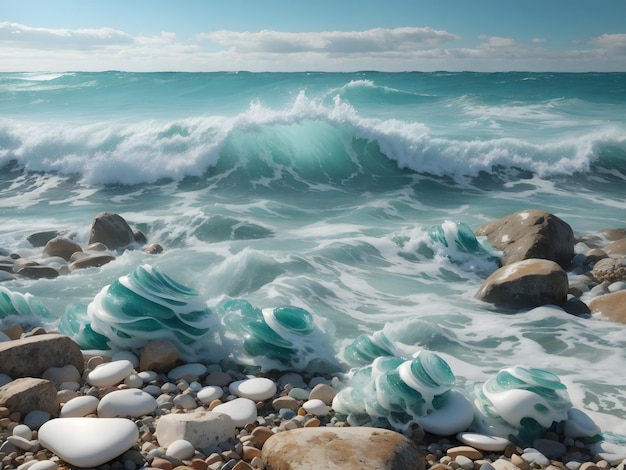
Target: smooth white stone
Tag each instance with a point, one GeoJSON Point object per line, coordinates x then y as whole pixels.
{"type": "Point", "coordinates": [110, 373]}
{"type": "Point", "coordinates": [130, 402]}
{"type": "Point", "coordinates": [127, 355]}
{"type": "Point", "coordinates": [133, 381]}
{"type": "Point", "coordinates": [20, 442]}
{"type": "Point", "coordinates": [455, 415]}
{"type": "Point", "coordinates": [79, 407]}
{"type": "Point", "coordinates": [579, 424]}
{"type": "Point", "coordinates": [241, 410]}
{"type": "Point", "coordinates": [23, 431]}
{"type": "Point", "coordinates": [148, 375]}
{"type": "Point", "coordinates": [194, 370]}
{"type": "Point", "coordinates": [38, 465]}
{"type": "Point", "coordinates": [483, 442]}
{"type": "Point", "coordinates": [316, 407]}
{"type": "Point", "coordinates": [185, 401]}
{"type": "Point", "coordinates": [256, 389]}
{"type": "Point", "coordinates": [180, 449]}
{"type": "Point", "coordinates": [88, 442]}
{"type": "Point", "coordinates": [207, 394]}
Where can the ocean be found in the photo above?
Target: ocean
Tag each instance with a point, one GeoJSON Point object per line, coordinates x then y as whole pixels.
{"type": "Point", "coordinates": [318, 190]}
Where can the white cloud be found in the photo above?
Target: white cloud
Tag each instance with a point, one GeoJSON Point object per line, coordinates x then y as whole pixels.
{"type": "Point", "coordinates": [24, 48]}
{"type": "Point", "coordinates": [612, 43]}
{"type": "Point", "coordinates": [373, 40]}
{"type": "Point", "coordinates": [17, 35]}
{"type": "Point", "coordinates": [538, 40]}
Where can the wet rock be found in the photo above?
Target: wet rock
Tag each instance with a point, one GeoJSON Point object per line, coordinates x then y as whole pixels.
{"type": "Point", "coordinates": [30, 357]}
{"type": "Point", "coordinates": [340, 448]}
{"type": "Point", "coordinates": [609, 269]}
{"type": "Point", "coordinates": [40, 239]}
{"type": "Point", "coordinates": [153, 249]}
{"type": "Point", "coordinates": [61, 247]}
{"type": "Point", "coordinates": [91, 261]}
{"type": "Point", "coordinates": [159, 355]}
{"type": "Point", "coordinates": [613, 234]}
{"type": "Point", "coordinates": [616, 248]}
{"type": "Point", "coordinates": [531, 234]}
{"type": "Point", "coordinates": [112, 230]}
{"type": "Point", "coordinates": [36, 271]}
{"type": "Point", "coordinates": [610, 306]}
{"type": "Point", "coordinates": [526, 284]}
{"type": "Point", "coordinates": [26, 394]}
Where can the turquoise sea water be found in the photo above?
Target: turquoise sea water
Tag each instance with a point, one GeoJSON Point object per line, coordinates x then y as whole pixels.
{"type": "Point", "coordinates": [316, 190]}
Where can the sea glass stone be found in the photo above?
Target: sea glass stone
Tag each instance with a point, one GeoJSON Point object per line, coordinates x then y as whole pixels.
{"type": "Point", "coordinates": [396, 392]}
{"type": "Point", "coordinates": [283, 337]}
{"type": "Point", "coordinates": [365, 348]}
{"type": "Point", "coordinates": [137, 308]}
{"type": "Point", "coordinates": [520, 404]}
{"type": "Point", "coordinates": [459, 238]}
{"type": "Point", "coordinates": [22, 306]}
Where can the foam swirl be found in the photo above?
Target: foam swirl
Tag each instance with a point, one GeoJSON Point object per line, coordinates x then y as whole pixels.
{"type": "Point", "coordinates": [280, 337]}
{"type": "Point", "coordinates": [397, 392]}
{"type": "Point", "coordinates": [140, 307]}
{"type": "Point", "coordinates": [21, 306]}
{"type": "Point", "coordinates": [520, 404]}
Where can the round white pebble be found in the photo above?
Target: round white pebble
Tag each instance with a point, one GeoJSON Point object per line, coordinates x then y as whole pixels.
{"type": "Point", "coordinates": [207, 394]}
{"type": "Point", "coordinates": [193, 369]}
{"type": "Point", "coordinates": [24, 431]}
{"type": "Point", "coordinates": [43, 465]}
{"type": "Point", "coordinates": [242, 411]}
{"type": "Point", "coordinates": [110, 373]}
{"type": "Point", "coordinates": [79, 406]}
{"type": "Point", "coordinates": [256, 389]}
{"type": "Point", "coordinates": [148, 375]}
{"type": "Point", "coordinates": [133, 381]}
{"type": "Point", "coordinates": [483, 442]}
{"type": "Point", "coordinates": [124, 403]}
{"type": "Point", "coordinates": [316, 407]}
{"type": "Point", "coordinates": [180, 449]}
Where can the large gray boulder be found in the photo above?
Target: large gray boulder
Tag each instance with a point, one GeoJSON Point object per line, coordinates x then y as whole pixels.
{"type": "Point", "coordinates": [526, 284]}
{"type": "Point", "coordinates": [30, 357]}
{"type": "Point", "coordinates": [531, 234]}
{"type": "Point", "coordinates": [112, 230]}
{"type": "Point", "coordinates": [364, 448]}
{"type": "Point", "coordinates": [62, 247]}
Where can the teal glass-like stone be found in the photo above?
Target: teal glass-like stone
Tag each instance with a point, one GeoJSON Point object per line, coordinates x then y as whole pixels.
{"type": "Point", "coordinates": [22, 305]}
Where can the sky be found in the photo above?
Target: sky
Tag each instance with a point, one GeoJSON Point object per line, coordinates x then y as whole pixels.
{"type": "Point", "coordinates": [319, 35]}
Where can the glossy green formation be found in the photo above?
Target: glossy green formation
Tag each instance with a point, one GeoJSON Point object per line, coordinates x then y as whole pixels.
{"type": "Point", "coordinates": [21, 306]}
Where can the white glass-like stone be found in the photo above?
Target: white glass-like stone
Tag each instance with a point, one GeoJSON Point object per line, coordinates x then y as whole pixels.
{"type": "Point", "coordinates": [110, 373]}
{"type": "Point", "coordinates": [256, 389]}
{"type": "Point", "coordinates": [126, 403]}
{"type": "Point", "coordinates": [242, 411]}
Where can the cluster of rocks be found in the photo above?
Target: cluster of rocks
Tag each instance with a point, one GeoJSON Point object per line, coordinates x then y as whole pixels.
{"type": "Point", "coordinates": [63, 408]}
{"type": "Point", "coordinates": [109, 234]}
{"type": "Point", "coordinates": [542, 255]}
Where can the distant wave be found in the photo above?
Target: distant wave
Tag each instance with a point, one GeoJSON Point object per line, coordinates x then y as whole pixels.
{"type": "Point", "coordinates": [305, 134]}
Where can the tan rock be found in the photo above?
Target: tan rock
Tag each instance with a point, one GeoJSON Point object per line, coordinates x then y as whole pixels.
{"type": "Point", "coordinates": [153, 249]}
{"type": "Point", "coordinates": [618, 247]}
{"type": "Point", "coordinates": [30, 357]}
{"type": "Point", "coordinates": [159, 355]}
{"type": "Point", "coordinates": [526, 284]}
{"type": "Point", "coordinates": [261, 434]}
{"type": "Point", "coordinates": [201, 428]}
{"type": "Point", "coordinates": [610, 306]}
{"type": "Point", "coordinates": [613, 234]}
{"type": "Point", "coordinates": [466, 451]}
{"type": "Point", "coordinates": [26, 394]}
{"type": "Point", "coordinates": [323, 392]}
{"type": "Point", "coordinates": [112, 230]}
{"type": "Point", "coordinates": [62, 247]}
{"type": "Point", "coordinates": [14, 331]}
{"type": "Point", "coordinates": [285, 402]}
{"type": "Point", "coordinates": [609, 269]}
{"type": "Point", "coordinates": [531, 234]}
{"type": "Point", "coordinates": [91, 261]}
{"type": "Point", "coordinates": [340, 448]}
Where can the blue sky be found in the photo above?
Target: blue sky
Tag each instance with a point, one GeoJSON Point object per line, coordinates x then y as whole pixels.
{"type": "Point", "coordinates": [338, 35]}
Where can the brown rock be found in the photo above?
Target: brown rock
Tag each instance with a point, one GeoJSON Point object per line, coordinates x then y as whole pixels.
{"type": "Point", "coordinates": [40, 239]}
{"type": "Point", "coordinates": [37, 271]}
{"type": "Point", "coordinates": [340, 448]}
{"type": "Point", "coordinates": [14, 332]}
{"type": "Point", "coordinates": [27, 394]}
{"type": "Point", "coordinates": [613, 234]}
{"type": "Point", "coordinates": [618, 247]}
{"type": "Point", "coordinates": [466, 451]}
{"type": "Point", "coordinates": [609, 269]}
{"type": "Point", "coordinates": [610, 306]}
{"type": "Point", "coordinates": [596, 254]}
{"type": "Point", "coordinates": [526, 284]}
{"type": "Point", "coordinates": [112, 230]}
{"type": "Point", "coordinates": [323, 392]}
{"type": "Point", "coordinates": [62, 247]}
{"type": "Point", "coordinates": [153, 249]}
{"type": "Point", "coordinates": [531, 234]}
{"type": "Point", "coordinates": [140, 237]}
{"type": "Point", "coordinates": [261, 434]}
{"type": "Point", "coordinates": [159, 355]}
{"type": "Point", "coordinates": [91, 261]}
{"type": "Point", "coordinates": [30, 357]}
